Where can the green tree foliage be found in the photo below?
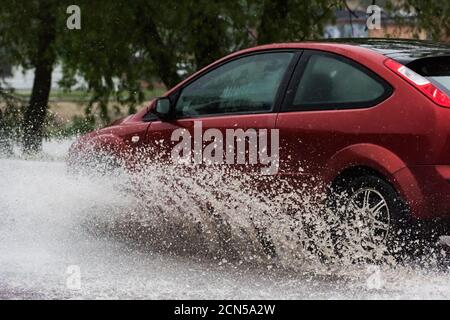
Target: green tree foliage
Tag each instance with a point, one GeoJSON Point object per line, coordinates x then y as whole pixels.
{"type": "Point", "coordinates": [432, 16]}
{"type": "Point", "coordinates": [293, 20]}
{"type": "Point", "coordinates": [29, 36]}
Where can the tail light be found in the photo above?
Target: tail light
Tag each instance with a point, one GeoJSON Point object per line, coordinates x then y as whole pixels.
{"type": "Point", "coordinates": [422, 84]}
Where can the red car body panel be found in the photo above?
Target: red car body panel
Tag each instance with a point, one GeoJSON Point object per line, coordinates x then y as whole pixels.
{"type": "Point", "coordinates": [405, 138]}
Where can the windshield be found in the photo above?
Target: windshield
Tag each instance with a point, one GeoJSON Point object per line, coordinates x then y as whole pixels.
{"type": "Point", "coordinates": [435, 69]}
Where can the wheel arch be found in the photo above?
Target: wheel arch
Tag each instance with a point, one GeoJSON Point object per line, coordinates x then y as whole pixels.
{"type": "Point", "coordinates": [369, 159]}
{"type": "Point", "coordinates": [364, 156]}
{"type": "Point", "coordinates": [364, 159]}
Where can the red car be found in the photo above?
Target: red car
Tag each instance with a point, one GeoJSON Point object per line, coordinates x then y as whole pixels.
{"type": "Point", "coordinates": [370, 117]}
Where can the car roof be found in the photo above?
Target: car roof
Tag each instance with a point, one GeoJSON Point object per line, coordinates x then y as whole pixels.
{"type": "Point", "coordinates": [402, 50]}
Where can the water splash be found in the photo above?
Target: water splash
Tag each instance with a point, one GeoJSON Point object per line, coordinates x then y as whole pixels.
{"type": "Point", "coordinates": [113, 228]}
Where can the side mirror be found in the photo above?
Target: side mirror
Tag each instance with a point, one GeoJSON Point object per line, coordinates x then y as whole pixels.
{"type": "Point", "coordinates": [162, 108]}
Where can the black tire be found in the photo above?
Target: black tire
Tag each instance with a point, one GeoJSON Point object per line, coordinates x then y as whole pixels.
{"type": "Point", "coordinates": [376, 214]}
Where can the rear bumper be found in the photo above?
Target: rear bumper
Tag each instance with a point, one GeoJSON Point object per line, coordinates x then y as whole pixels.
{"type": "Point", "coordinates": [426, 188]}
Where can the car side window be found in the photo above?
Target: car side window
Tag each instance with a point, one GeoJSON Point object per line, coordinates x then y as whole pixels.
{"type": "Point", "coordinates": [330, 82]}
{"type": "Point", "coordinates": [244, 85]}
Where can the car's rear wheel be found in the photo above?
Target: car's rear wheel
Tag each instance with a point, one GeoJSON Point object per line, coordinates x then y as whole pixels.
{"type": "Point", "coordinates": [372, 220]}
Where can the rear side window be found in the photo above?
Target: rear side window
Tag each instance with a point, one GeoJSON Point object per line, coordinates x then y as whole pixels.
{"type": "Point", "coordinates": [332, 82]}
{"type": "Point", "coordinates": [436, 69]}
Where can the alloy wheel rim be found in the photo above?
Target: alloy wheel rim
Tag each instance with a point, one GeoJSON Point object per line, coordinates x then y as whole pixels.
{"type": "Point", "coordinates": [370, 209]}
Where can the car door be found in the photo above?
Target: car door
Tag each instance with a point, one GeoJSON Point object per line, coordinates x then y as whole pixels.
{"type": "Point", "coordinates": [329, 99]}
{"type": "Point", "coordinates": [232, 102]}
